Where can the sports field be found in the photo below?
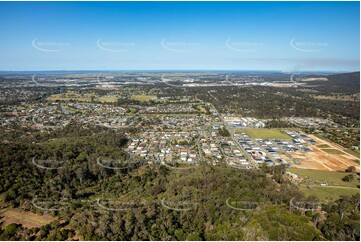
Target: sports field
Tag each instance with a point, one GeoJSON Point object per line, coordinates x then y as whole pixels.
{"type": "Point", "coordinates": [264, 133]}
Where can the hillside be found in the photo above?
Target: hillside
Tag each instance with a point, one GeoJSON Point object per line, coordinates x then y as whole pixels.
{"type": "Point", "coordinates": [154, 202]}
{"type": "Point", "coordinates": [345, 83]}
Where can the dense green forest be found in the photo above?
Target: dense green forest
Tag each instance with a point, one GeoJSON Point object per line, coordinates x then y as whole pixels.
{"type": "Point", "coordinates": [152, 202]}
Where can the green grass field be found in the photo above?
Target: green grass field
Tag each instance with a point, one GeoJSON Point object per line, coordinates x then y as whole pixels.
{"type": "Point", "coordinates": [333, 151]}
{"type": "Point", "coordinates": [327, 193]}
{"type": "Point", "coordinates": [70, 96]}
{"type": "Point", "coordinates": [323, 146]}
{"type": "Point", "coordinates": [264, 133]}
{"type": "Point", "coordinates": [81, 98]}
{"type": "Point", "coordinates": [201, 108]}
{"type": "Point", "coordinates": [132, 110]}
{"type": "Point", "coordinates": [107, 99]}
{"type": "Point", "coordinates": [142, 98]}
{"type": "Point", "coordinates": [354, 153]}
{"type": "Point", "coordinates": [332, 178]}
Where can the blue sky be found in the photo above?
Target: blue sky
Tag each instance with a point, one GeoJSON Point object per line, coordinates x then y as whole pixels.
{"type": "Point", "coordinates": [286, 36]}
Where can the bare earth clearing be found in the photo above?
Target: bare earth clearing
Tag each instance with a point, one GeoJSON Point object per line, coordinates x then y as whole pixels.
{"type": "Point", "coordinates": [27, 219]}
{"type": "Point", "coordinates": [323, 159]}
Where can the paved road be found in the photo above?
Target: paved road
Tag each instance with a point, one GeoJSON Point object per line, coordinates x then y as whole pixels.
{"type": "Point", "coordinates": [231, 131]}
{"type": "Point", "coordinates": [200, 151]}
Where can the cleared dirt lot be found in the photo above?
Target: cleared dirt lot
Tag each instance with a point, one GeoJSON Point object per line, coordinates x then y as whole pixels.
{"type": "Point", "coordinates": [27, 219]}
{"type": "Point", "coordinates": [321, 159]}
